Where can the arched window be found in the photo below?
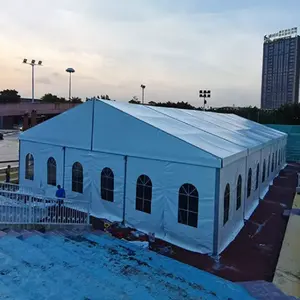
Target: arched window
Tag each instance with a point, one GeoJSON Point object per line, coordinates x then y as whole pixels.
{"type": "Point", "coordinates": [257, 177]}
{"type": "Point", "coordinates": [188, 199]}
{"type": "Point", "coordinates": [269, 165]}
{"type": "Point", "coordinates": [226, 204]}
{"type": "Point", "coordinates": [264, 172]}
{"type": "Point", "coordinates": [279, 157]}
{"type": "Point", "coordinates": [29, 167]}
{"type": "Point", "coordinates": [107, 184]}
{"type": "Point", "coordinates": [239, 193]}
{"type": "Point", "coordinates": [51, 171]}
{"type": "Point", "coordinates": [143, 194]}
{"type": "Point", "coordinates": [249, 183]}
{"type": "Point", "coordinates": [77, 178]}
{"type": "Point", "coordinates": [272, 169]}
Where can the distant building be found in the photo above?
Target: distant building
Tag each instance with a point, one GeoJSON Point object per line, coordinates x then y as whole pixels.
{"type": "Point", "coordinates": [280, 71]}
{"type": "Point", "coordinates": [29, 100]}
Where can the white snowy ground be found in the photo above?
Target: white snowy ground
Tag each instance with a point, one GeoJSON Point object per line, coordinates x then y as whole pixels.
{"type": "Point", "coordinates": [52, 266]}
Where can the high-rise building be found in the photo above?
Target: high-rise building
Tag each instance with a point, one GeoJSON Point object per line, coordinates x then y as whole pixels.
{"type": "Point", "coordinates": [281, 69]}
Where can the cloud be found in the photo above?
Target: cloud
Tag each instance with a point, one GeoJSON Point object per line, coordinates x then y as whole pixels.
{"type": "Point", "coordinates": [174, 47]}
{"type": "Point", "coordinates": [43, 80]}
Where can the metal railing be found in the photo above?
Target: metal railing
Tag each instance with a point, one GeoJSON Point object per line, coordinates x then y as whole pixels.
{"type": "Point", "coordinates": [20, 208]}
{"type": "Point", "coordinates": [11, 187]}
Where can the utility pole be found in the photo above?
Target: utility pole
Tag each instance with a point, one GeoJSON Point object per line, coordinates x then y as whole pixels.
{"type": "Point", "coordinates": [70, 71]}
{"type": "Point", "coordinates": [143, 93]}
{"type": "Point", "coordinates": [204, 94]}
{"type": "Point", "coordinates": [32, 64]}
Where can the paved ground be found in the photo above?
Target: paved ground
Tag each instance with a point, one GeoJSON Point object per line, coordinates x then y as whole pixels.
{"type": "Point", "coordinates": [253, 255]}
{"type": "Point", "coordinates": [287, 275]}
{"type": "Point", "coordinates": [9, 147]}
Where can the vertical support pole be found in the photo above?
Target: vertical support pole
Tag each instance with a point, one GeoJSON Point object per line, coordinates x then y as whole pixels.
{"type": "Point", "coordinates": [143, 93]}
{"type": "Point", "coordinates": [19, 170]}
{"type": "Point", "coordinates": [216, 214]}
{"type": "Point", "coordinates": [89, 207]}
{"type": "Point", "coordinates": [32, 78]}
{"type": "Point", "coordinates": [125, 186]}
{"type": "Point", "coordinates": [245, 181]}
{"type": "Point", "coordinates": [30, 210]}
{"type": "Point", "coordinates": [70, 84]}
{"type": "Point", "coordinates": [92, 132]}
{"type": "Point", "coordinates": [64, 166]}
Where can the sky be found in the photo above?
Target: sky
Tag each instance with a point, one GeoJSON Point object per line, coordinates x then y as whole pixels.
{"type": "Point", "coordinates": [174, 47]}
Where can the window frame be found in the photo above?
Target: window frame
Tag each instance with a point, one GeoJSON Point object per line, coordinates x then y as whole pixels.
{"type": "Point", "coordinates": [249, 183]}
{"type": "Point", "coordinates": [107, 178]}
{"type": "Point", "coordinates": [257, 176]}
{"type": "Point", "coordinates": [188, 196]}
{"type": "Point", "coordinates": [77, 183]}
{"type": "Point", "coordinates": [263, 178]}
{"type": "Point", "coordinates": [51, 171]}
{"type": "Point", "coordinates": [29, 168]}
{"type": "Point", "coordinates": [269, 166]}
{"type": "Point", "coordinates": [226, 202]}
{"type": "Point", "coordinates": [144, 186]}
{"type": "Point", "coordinates": [239, 189]}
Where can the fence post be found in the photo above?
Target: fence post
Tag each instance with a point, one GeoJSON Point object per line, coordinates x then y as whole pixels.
{"type": "Point", "coordinates": [89, 208]}
{"type": "Point", "coordinates": [30, 210]}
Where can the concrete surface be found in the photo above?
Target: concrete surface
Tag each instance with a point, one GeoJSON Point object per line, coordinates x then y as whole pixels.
{"type": "Point", "coordinates": [287, 274]}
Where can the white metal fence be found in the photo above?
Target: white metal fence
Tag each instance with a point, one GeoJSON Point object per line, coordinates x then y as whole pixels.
{"type": "Point", "coordinates": [11, 187]}
{"type": "Point", "coordinates": [20, 208]}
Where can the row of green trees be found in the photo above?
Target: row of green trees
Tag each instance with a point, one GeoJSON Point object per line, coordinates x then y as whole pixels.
{"type": "Point", "coordinates": [12, 96]}
{"type": "Point", "coordinates": [287, 114]}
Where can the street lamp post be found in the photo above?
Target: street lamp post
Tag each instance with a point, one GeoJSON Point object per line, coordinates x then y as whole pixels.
{"type": "Point", "coordinates": [70, 71]}
{"type": "Point", "coordinates": [32, 63]}
{"type": "Point", "coordinates": [143, 92]}
{"type": "Point", "coordinates": [204, 94]}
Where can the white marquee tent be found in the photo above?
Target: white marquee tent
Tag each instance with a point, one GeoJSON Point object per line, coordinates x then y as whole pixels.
{"type": "Point", "coordinates": [190, 177]}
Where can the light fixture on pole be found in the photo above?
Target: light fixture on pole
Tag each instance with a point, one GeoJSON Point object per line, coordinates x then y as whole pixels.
{"type": "Point", "coordinates": [204, 94]}
{"type": "Point", "coordinates": [70, 71]}
{"type": "Point", "coordinates": [32, 63]}
{"type": "Point", "coordinates": [143, 92]}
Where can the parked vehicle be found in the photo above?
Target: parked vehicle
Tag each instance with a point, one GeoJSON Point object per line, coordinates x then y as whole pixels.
{"type": "Point", "coordinates": [1, 136]}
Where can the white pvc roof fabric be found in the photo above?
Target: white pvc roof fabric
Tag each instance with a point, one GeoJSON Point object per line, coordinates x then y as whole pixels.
{"type": "Point", "coordinates": [225, 136]}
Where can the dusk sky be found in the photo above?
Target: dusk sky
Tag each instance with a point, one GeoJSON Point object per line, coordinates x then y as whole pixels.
{"type": "Point", "coordinates": [174, 47]}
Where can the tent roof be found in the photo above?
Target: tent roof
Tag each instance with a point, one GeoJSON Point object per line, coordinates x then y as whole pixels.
{"type": "Point", "coordinates": [225, 136]}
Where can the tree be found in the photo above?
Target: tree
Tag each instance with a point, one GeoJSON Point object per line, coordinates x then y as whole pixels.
{"type": "Point", "coordinates": [135, 100]}
{"type": "Point", "coordinates": [9, 96]}
{"type": "Point", "coordinates": [76, 100]}
{"type": "Point", "coordinates": [49, 98]}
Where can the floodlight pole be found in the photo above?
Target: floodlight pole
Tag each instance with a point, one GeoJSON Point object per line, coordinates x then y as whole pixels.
{"type": "Point", "coordinates": [32, 86]}
{"type": "Point", "coordinates": [32, 64]}
{"type": "Point", "coordinates": [70, 71]}
{"type": "Point", "coordinates": [143, 93]}
{"type": "Point", "coordinates": [204, 94]}
{"type": "Point", "coordinates": [70, 84]}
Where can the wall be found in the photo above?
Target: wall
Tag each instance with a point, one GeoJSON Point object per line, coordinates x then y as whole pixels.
{"type": "Point", "coordinates": [41, 154]}
{"type": "Point", "coordinates": [166, 178]}
{"type": "Point", "coordinates": [18, 109]}
{"type": "Point", "coordinates": [293, 140]}
{"type": "Point", "coordinates": [230, 175]}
